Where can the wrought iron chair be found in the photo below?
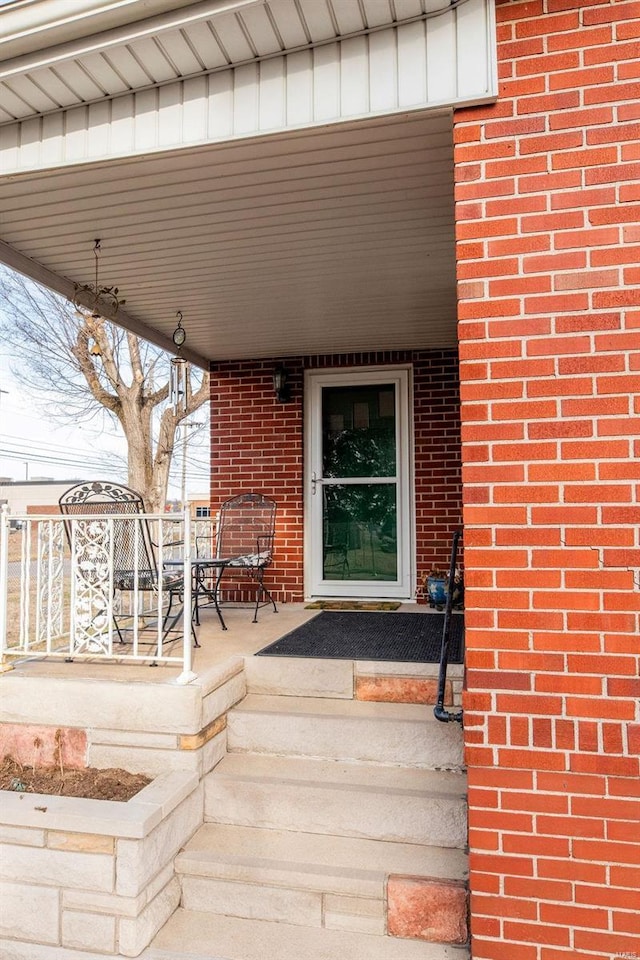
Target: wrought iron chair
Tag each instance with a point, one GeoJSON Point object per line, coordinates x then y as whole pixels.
{"type": "Point", "coordinates": [126, 546]}
{"type": "Point", "coordinates": [335, 549]}
{"type": "Point", "coordinates": [243, 541]}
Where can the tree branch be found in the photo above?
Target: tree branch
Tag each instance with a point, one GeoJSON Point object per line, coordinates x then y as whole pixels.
{"type": "Point", "coordinates": [53, 349]}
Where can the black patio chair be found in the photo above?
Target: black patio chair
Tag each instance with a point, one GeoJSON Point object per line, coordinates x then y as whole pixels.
{"type": "Point", "coordinates": [243, 541]}
{"type": "Point", "coordinates": [128, 542]}
{"type": "Point", "coordinates": [335, 549]}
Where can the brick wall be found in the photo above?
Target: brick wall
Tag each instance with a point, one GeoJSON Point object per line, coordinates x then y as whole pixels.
{"type": "Point", "coordinates": [257, 444]}
{"type": "Point", "coordinates": [548, 245]}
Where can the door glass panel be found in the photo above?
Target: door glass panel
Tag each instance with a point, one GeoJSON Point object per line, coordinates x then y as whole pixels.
{"type": "Point", "coordinates": [359, 431]}
{"type": "Point", "coordinates": [359, 532]}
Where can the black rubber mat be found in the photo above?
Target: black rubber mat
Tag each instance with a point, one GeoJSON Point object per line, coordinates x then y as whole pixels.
{"type": "Point", "coordinates": [413, 637]}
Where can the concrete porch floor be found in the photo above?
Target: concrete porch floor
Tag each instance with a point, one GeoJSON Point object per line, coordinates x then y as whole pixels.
{"type": "Point", "coordinates": [218, 648]}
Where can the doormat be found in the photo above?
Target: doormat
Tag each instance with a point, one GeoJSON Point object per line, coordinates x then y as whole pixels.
{"type": "Point", "coordinates": [410, 637]}
{"type": "Point", "coordinates": [353, 605]}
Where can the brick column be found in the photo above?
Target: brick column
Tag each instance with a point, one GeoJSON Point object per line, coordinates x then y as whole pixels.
{"type": "Point", "coordinates": [548, 246]}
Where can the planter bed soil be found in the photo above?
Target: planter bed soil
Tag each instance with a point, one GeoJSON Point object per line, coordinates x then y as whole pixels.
{"type": "Point", "coordinates": [111, 784]}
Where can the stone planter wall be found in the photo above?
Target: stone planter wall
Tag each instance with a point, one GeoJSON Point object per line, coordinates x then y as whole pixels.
{"type": "Point", "coordinates": [92, 875]}
{"type": "Point", "coordinates": [97, 875]}
{"type": "Point", "coordinates": [143, 727]}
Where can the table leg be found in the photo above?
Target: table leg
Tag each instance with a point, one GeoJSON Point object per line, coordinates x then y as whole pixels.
{"type": "Point", "coordinates": [215, 597]}
{"type": "Point", "coordinates": [212, 593]}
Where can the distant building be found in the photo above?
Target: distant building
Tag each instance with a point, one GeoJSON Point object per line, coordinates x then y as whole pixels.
{"type": "Point", "coordinates": [199, 504]}
{"type": "Point", "coordinates": [33, 496]}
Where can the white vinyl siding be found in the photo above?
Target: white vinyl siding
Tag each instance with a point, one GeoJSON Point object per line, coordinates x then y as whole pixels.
{"type": "Point", "coordinates": [441, 61]}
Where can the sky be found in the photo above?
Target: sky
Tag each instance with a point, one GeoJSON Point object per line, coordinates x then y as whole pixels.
{"type": "Point", "coordinates": [35, 447]}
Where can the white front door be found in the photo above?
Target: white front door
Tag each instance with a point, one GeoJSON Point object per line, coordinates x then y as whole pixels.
{"type": "Point", "coordinates": [358, 506]}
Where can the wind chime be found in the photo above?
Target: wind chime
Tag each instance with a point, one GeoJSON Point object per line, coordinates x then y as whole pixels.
{"type": "Point", "coordinates": [178, 372]}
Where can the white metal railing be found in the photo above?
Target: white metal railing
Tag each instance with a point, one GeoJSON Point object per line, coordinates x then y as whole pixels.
{"type": "Point", "coordinates": [62, 594]}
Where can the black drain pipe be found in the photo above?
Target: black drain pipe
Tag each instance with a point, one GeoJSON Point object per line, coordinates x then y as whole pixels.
{"type": "Point", "coordinates": [439, 712]}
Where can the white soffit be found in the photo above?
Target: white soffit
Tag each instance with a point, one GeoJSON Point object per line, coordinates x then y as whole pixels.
{"type": "Point", "coordinates": [333, 239]}
{"type": "Point", "coordinates": [221, 70]}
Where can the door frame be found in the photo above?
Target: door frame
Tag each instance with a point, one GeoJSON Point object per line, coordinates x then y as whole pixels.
{"type": "Point", "coordinates": [314, 380]}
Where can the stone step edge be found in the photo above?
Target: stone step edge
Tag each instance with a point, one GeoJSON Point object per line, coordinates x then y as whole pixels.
{"type": "Point", "coordinates": [363, 775]}
{"type": "Point", "coordinates": [252, 939]}
{"type": "Point", "coordinates": [197, 860]}
{"type": "Point", "coordinates": [375, 733]}
{"type": "Point", "coordinates": [313, 891]}
{"type": "Point", "coordinates": [396, 668]}
{"type": "Point", "coordinates": [337, 708]}
{"type": "Point", "coordinates": [373, 789]}
{"type": "Point", "coordinates": [360, 680]}
{"type": "Point", "coordinates": [395, 817]}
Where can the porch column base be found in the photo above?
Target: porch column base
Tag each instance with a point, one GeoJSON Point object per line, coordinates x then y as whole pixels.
{"type": "Point", "coordinates": [187, 676]}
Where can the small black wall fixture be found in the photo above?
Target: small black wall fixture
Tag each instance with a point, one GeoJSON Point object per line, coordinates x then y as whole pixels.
{"type": "Point", "coordinates": [280, 385]}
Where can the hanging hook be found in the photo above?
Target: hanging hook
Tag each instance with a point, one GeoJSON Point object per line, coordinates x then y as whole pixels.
{"type": "Point", "coordinates": [96, 251]}
{"type": "Point", "coordinates": [84, 294]}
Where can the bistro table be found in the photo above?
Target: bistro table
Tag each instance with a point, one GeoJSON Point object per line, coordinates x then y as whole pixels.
{"type": "Point", "coordinates": [206, 576]}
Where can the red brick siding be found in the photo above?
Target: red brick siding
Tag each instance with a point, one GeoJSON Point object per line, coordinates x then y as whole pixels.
{"type": "Point", "coordinates": [437, 459]}
{"type": "Point", "coordinates": [548, 242]}
{"type": "Point", "coordinates": [257, 444]}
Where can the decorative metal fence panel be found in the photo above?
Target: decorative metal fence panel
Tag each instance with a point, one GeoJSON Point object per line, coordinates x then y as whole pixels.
{"type": "Point", "coordinates": [64, 593]}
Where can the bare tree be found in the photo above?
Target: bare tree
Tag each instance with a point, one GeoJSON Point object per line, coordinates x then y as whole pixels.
{"type": "Point", "coordinates": [76, 366]}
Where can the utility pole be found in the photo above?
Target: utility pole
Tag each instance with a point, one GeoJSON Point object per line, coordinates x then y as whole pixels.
{"type": "Point", "coordinates": [185, 435]}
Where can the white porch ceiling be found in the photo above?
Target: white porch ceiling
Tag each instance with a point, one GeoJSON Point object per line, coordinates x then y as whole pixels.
{"type": "Point", "coordinates": [333, 239]}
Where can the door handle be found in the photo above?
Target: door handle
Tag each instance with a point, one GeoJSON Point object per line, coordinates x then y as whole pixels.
{"type": "Point", "coordinates": [315, 480]}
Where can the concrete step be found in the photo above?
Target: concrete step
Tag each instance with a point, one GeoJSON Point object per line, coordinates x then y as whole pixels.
{"type": "Point", "coordinates": [191, 935]}
{"type": "Point", "coordinates": [300, 677]}
{"type": "Point", "coordinates": [302, 878]}
{"type": "Point", "coordinates": [386, 733]}
{"type": "Point", "coordinates": [338, 798]}
{"type": "Point", "coordinates": [334, 679]}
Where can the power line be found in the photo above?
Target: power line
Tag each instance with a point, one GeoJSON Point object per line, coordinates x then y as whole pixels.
{"type": "Point", "coordinates": [41, 449]}
{"type": "Point", "coordinates": [35, 454]}
{"type": "Point", "coordinates": [60, 461]}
